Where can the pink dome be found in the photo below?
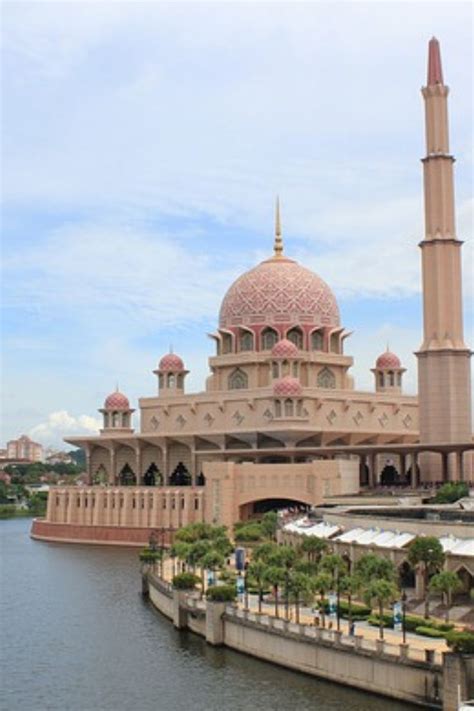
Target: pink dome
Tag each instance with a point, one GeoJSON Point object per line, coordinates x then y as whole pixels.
{"type": "Point", "coordinates": [278, 291]}
{"type": "Point", "coordinates": [116, 401]}
{"type": "Point", "coordinates": [171, 362]}
{"type": "Point", "coordinates": [287, 387]}
{"type": "Point", "coordinates": [284, 349]}
{"type": "Point", "coordinates": [388, 360]}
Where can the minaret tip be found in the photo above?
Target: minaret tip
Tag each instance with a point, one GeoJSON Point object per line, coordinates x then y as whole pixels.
{"type": "Point", "coordinates": [435, 70]}
{"type": "Point", "coordinates": [278, 245]}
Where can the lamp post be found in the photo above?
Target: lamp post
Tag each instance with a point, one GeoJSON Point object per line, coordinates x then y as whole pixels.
{"type": "Point", "coordinates": [287, 592]}
{"type": "Point", "coordinates": [338, 600]}
{"type": "Point", "coordinates": [404, 616]}
{"type": "Point", "coordinates": [246, 589]}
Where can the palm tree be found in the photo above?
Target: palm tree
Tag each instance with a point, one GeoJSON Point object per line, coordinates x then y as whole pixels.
{"type": "Point", "coordinates": [374, 567]}
{"type": "Point", "coordinates": [300, 584]}
{"type": "Point", "coordinates": [275, 576]}
{"type": "Point", "coordinates": [257, 570]}
{"type": "Point", "coordinates": [428, 553]}
{"type": "Point", "coordinates": [314, 548]}
{"type": "Point", "coordinates": [350, 584]}
{"type": "Point", "coordinates": [322, 584]}
{"type": "Point", "coordinates": [446, 583]}
{"type": "Point", "coordinates": [284, 557]}
{"type": "Point", "coordinates": [211, 560]}
{"type": "Point", "coordinates": [383, 592]}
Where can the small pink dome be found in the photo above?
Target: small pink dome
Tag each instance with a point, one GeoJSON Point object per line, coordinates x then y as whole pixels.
{"type": "Point", "coordinates": [284, 349]}
{"type": "Point", "coordinates": [287, 387]}
{"type": "Point", "coordinates": [116, 401]}
{"type": "Point", "coordinates": [388, 360]}
{"type": "Point", "coordinates": [171, 362]}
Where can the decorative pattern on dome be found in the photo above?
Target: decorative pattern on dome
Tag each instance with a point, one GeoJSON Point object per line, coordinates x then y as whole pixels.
{"type": "Point", "coordinates": [171, 362]}
{"type": "Point", "coordinates": [284, 349]}
{"type": "Point", "coordinates": [287, 387]}
{"type": "Point", "coordinates": [116, 401]}
{"type": "Point", "coordinates": [279, 291]}
{"type": "Point", "coordinates": [388, 360]}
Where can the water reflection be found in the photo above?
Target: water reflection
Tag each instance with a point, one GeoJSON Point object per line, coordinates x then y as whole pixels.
{"type": "Point", "coordinates": [77, 636]}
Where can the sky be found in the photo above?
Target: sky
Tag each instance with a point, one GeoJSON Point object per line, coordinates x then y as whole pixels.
{"type": "Point", "coordinates": [143, 146]}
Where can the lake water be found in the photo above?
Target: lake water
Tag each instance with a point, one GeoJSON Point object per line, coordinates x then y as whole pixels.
{"type": "Point", "coordinates": [76, 635]}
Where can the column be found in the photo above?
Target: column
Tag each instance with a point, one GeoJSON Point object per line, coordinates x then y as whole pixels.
{"type": "Point", "coordinates": [403, 465]}
{"type": "Point", "coordinates": [444, 467]}
{"type": "Point", "coordinates": [138, 465]}
{"type": "Point", "coordinates": [373, 470]}
{"type": "Point", "coordinates": [112, 466]}
{"type": "Point", "coordinates": [459, 465]}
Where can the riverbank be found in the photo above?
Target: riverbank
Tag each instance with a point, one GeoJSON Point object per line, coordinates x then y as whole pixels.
{"type": "Point", "coordinates": [373, 665]}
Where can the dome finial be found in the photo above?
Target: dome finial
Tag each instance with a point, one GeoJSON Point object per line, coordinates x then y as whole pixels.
{"type": "Point", "coordinates": [278, 245]}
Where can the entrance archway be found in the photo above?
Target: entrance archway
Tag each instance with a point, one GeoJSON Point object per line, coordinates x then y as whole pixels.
{"type": "Point", "coordinates": [255, 509]}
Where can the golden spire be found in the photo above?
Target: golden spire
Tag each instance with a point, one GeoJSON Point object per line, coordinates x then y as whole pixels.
{"type": "Point", "coordinates": [278, 246]}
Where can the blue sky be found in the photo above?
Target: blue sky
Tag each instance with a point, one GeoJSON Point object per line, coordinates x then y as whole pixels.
{"type": "Point", "coordinates": [143, 146]}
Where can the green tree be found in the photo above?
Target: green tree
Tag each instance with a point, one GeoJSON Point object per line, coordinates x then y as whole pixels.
{"type": "Point", "coordinates": [350, 585]}
{"type": "Point", "coordinates": [212, 560]}
{"type": "Point", "coordinates": [374, 567]}
{"type": "Point", "coordinates": [335, 565]}
{"type": "Point", "coordinates": [451, 491]}
{"type": "Point", "coordinates": [382, 592]}
{"type": "Point", "coordinates": [265, 551]}
{"type": "Point", "coordinates": [181, 551]}
{"type": "Point", "coordinates": [446, 583]}
{"type": "Point", "coordinates": [301, 586]}
{"type": "Point", "coordinates": [322, 585]}
{"type": "Point", "coordinates": [427, 553]}
{"type": "Point", "coordinates": [257, 571]}
{"type": "Point", "coordinates": [269, 524]}
{"type": "Point", "coordinates": [314, 548]}
{"type": "Point", "coordinates": [275, 576]}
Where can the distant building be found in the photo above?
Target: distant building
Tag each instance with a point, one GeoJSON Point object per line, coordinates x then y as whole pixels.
{"type": "Point", "coordinates": [24, 448]}
{"type": "Point", "coordinates": [56, 457]}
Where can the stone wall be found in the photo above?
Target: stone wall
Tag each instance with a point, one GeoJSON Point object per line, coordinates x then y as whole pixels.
{"type": "Point", "coordinates": [365, 664]}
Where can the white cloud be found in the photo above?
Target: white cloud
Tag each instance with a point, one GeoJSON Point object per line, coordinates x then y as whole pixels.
{"type": "Point", "coordinates": [60, 424]}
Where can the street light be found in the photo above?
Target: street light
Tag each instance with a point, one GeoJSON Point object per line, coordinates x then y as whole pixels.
{"type": "Point", "coordinates": [246, 589]}
{"type": "Point", "coordinates": [338, 600]}
{"type": "Point", "coordinates": [404, 616]}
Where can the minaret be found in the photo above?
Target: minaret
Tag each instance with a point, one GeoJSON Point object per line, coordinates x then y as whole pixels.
{"type": "Point", "coordinates": [443, 359]}
{"type": "Point", "coordinates": [278, 245]}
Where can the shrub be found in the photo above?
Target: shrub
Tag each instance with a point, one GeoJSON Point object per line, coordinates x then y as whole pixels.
{"type": "Point", "coordinates": [451, 492]}
{"type": "Point", "coordinates": [461, 642]}
{"type": "Point", "coordinates": [185, 581]}
{"type": "Point", "coordinates": [221, 593]}
{"type": "Point", "coordinates": [149, 556]}
{"type": "Point", "coordinates": [430, 632]}
{"type": "Point", "coordinates": [251, 532]}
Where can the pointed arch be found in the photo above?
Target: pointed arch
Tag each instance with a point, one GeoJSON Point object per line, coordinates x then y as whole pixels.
{"type": "Point", "coordinates": [295, 335]}
{"type": "Point", "coordinates": [326, 379]}
{"type": "Point", "coordinates": [268, 338]}
{"type": "Point", "coordinates": [238, 380]}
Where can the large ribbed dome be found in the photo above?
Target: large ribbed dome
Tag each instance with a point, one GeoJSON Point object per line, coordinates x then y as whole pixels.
{"type": "Point", "coordinates": [279, 291]}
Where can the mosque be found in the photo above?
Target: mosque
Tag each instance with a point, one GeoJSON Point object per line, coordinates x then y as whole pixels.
{"type": "Point", "coordinates": [280, 420]}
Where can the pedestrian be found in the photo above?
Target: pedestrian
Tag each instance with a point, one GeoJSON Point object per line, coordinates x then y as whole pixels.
{"type": "Point", "coordinates": [352, 629]}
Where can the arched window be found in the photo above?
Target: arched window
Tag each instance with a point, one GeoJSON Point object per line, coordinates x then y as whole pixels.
{"type": "Point", "coordinates": [288, 407]}
{"type": "Point", "coordinates": [238, 380]}
{"type": "Point", "coordinates": [391, 378]}
{"type": "Point", "coordinates": [171, 381]}
{"type": "Point", "coordinates": [295, 335]}
{"type": "Point", "coordinates": [285, 368]}
{"type": "Point", "coordinates": [125, 419]}
{"type": "Point", "coordinates": [335, 343]}
{"type": "Point", "coordinates": [277, 408]}
{"type": "Point", "coordinates": [106, 420]}
{"type": "Point", "coordinates": [115, 419]}
{"type": "Point", "coordinates": [269, 338]}
{"type": "Point", "coordinates": [295, 370]}
{"type": "Point", "coordinates": [317, 341]}
{"type": "Point", "coordinates": [326, 379]}
{"type": "Point", "coordinates": [381, 380]}
{"type": "Point", "coordinates": [246, 341]}
{"type": "Point", "coordinates": [226, 343]}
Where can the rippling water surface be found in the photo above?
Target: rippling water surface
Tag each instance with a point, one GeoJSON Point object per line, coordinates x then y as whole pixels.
{"type": "Point", "coordinates": [76, 635]}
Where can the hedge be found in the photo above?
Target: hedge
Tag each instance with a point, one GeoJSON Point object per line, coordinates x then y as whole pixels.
{"type": "Point", "coordinates": [357, 609]}
{"type": "Point", "coordinates": [221, 593]}
{"type": "Point", "coordinates": [430, 632]}
{"type": "Point", "coordinates": [185, 581]}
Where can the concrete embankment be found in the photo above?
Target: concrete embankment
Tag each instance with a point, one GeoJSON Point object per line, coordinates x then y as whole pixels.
{"type": "Point", "coordinates": [372, 665]}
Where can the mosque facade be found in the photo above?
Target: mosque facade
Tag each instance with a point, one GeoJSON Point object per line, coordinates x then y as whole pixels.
{"type": "Point", "coordinates": [280, 419]}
